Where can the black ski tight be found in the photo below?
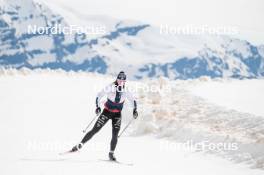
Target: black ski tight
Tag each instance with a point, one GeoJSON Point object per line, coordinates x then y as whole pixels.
{"type": "Point", "coordinates": [101, 121]}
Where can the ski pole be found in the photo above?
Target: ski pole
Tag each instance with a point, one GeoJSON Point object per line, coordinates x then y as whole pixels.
{"type": "Point", "coordinates": [126, 127]}
{"type": "Point", "coordinates": [84, 131]}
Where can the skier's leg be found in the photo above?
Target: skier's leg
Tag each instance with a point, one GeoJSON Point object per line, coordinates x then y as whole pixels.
{"type": "Point", "coordinates": [116, 124]}
{"type": "Point", "coordinates": [101, 121]}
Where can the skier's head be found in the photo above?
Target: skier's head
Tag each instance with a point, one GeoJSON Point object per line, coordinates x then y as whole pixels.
{"type": "Point", "coordinates": [121, 78]}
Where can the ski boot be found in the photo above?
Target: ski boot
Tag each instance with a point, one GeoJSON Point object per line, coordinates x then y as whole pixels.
{"type": "Point", "coordinates": [112, 156]}
{"type": "Point", "coordinates": [77, 147]}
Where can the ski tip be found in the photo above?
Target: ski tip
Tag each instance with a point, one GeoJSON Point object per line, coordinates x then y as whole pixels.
{"type": "Point", "coordinates": [64, 153]}
{"type": "Point", "coordinates": [61, 154]}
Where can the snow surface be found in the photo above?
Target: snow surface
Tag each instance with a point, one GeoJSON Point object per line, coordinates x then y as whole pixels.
{"type": "Point", "coordinates": [246, 96]}
{"type": "Point", "coordinates": [43, 113]}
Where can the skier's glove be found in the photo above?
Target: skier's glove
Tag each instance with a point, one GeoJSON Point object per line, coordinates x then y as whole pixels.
{"type": "Point", "coordinates": [135, 113]}
{"type": "Point", "coordinates": [98, 110]}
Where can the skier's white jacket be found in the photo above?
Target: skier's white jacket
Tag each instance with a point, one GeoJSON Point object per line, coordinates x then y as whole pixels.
{"type": "Point", "coordinates": [116, 96]}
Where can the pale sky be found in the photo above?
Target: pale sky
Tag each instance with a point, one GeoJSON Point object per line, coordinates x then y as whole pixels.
{"type": "Point", "coordinates": [246, 15]}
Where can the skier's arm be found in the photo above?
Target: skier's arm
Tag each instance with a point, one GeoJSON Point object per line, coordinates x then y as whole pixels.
{"type": "Point", "coordinates": [100, 95]}
{"type": "Point", "coordinates": [131, 99]}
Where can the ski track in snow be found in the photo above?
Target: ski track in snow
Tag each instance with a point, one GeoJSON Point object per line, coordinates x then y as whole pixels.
{"type": "Point", "coordinates": [52, 108]}
{"type": "Point", "coordinates": [181, 116]}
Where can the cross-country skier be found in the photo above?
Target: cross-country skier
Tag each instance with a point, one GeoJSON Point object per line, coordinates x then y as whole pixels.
{"type": "Point", "coordinates": [116, 96]}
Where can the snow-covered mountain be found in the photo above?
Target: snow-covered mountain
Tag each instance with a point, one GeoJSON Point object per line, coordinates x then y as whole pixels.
{"type": "Point", "coordinates": [136, 47]}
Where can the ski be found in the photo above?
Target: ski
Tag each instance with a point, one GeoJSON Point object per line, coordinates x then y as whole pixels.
{"type": "Point", "coordinates": [67, 152]}
{"type": "Point", "coordinates": [105, 160]}
{"type": "Point", "coordinates": [73, 150]}
{"type": "Point", "coordinates": [117, 162]}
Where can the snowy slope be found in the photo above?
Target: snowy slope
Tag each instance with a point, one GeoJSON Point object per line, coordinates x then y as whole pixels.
{"type": "Point", "coordinates": [234, 94]}
{"type": "Point", "coordinates": [134, 46]}
{"type": "Point", "coordinates": [48, 111]}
